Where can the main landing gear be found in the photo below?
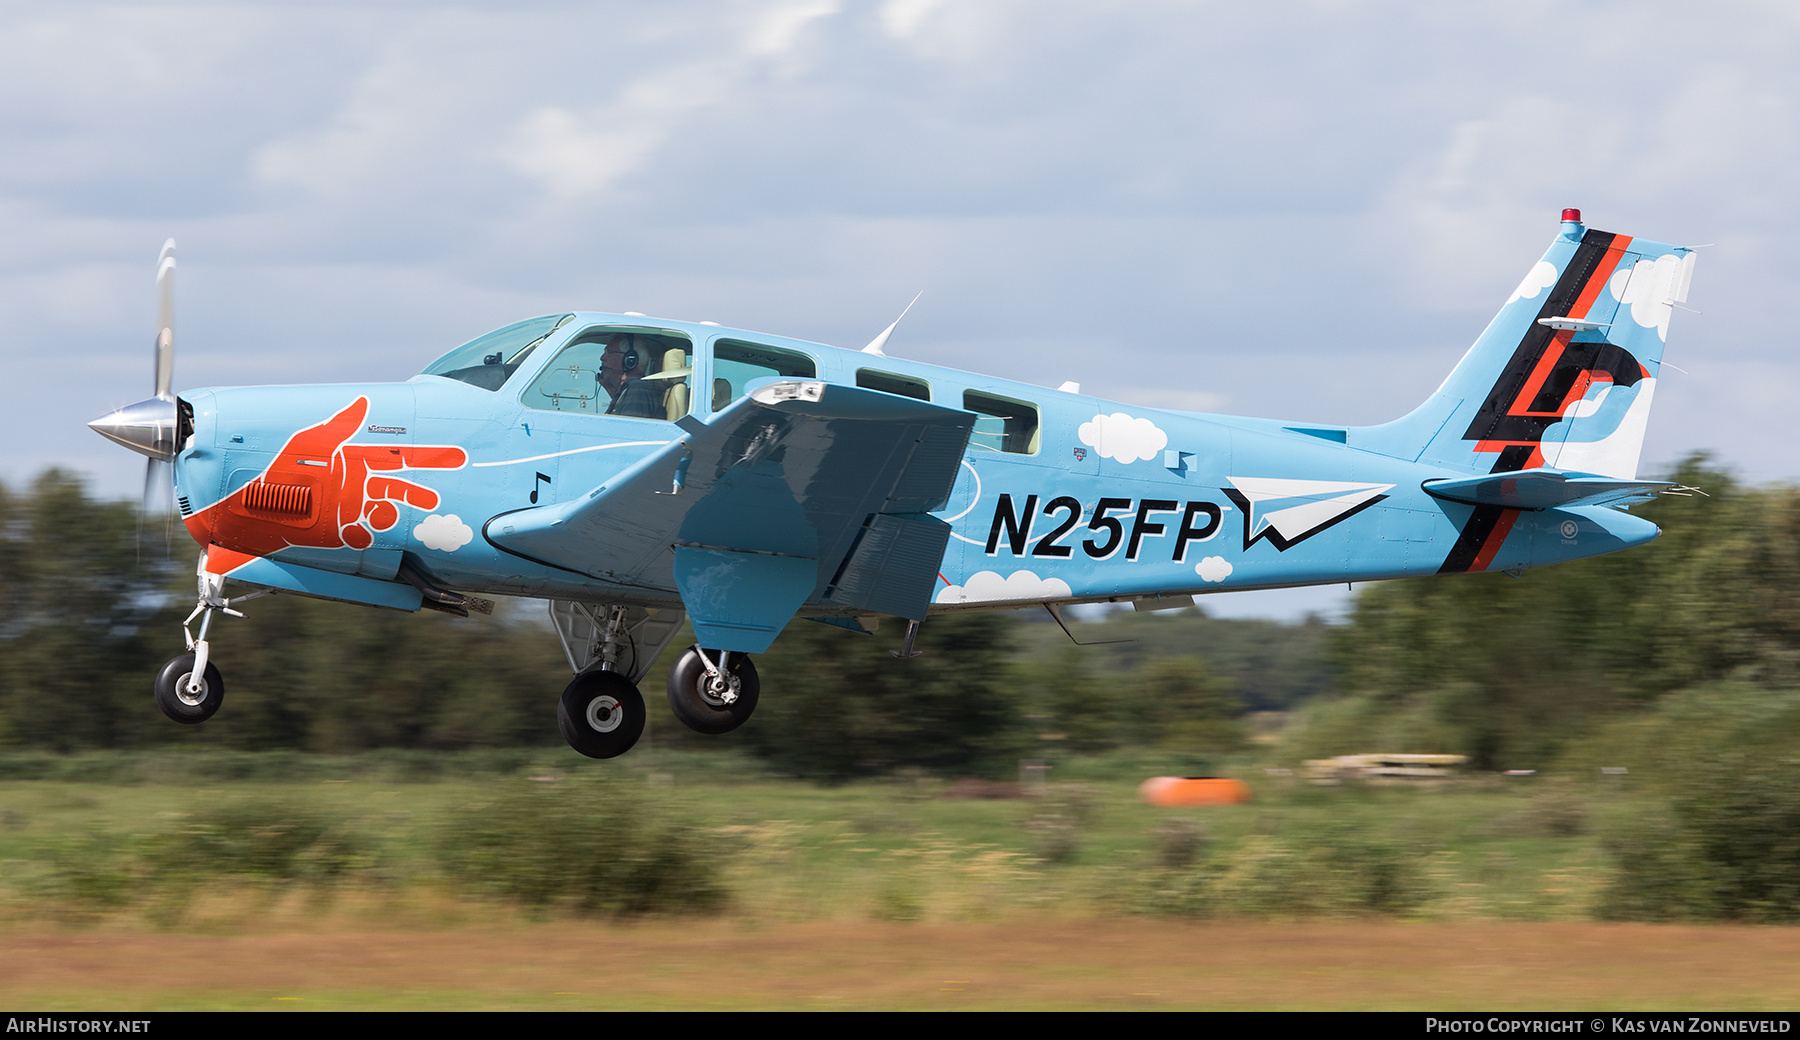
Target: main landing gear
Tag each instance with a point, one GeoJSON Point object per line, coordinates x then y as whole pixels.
{"type": "Point", "coordinates": [601, 714]}
{"type": "Point", "coordinates": [611, 648]}
{"type": "Point", "coordinates": [713, 691]}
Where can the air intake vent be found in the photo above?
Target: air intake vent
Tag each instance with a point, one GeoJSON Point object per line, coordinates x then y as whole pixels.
{"type": "Point", "coordinates": [186, 509]}
{"type": "Point", "coordinates": [278, 499]}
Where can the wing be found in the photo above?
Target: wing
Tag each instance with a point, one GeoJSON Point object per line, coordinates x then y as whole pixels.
{"type": "Point", "coordinates": [798, 492]}
{"type": "Point", "coordinates": [1545, 489]}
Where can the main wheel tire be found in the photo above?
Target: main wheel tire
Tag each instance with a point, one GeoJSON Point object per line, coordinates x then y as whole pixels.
{"type": "Point", "coordinates": [601, 714]}
{"type": "Point", "coordinates": [173, 697]}
{"type": "Point", "coordinates": [698, 702]}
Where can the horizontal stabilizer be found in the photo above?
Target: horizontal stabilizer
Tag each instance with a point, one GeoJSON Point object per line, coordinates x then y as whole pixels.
{"type": "Point", "coordinates": [1545, 489]}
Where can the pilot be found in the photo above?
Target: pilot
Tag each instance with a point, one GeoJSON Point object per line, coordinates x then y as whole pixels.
{"type": "Point", "coordinates": [621, 373]}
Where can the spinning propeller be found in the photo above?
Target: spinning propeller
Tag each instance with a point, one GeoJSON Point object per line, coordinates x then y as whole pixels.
{"type": "Point", "coordinates": [151, 427]}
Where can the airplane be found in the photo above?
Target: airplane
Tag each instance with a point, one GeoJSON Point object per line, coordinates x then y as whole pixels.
{"type": "Point", "coordinates": [637, 472]}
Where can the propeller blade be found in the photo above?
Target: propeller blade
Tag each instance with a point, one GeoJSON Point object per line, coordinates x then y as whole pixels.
{"type": "Point", "coordinates": [159, 487]}
{"type": "Point", "coordinates": [165, 327]}
{"type": "Point", "coordinates": [157, 502]}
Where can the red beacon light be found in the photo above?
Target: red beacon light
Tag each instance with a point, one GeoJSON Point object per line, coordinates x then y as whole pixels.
{"type": "Point", "coordinates": [1571, 216]}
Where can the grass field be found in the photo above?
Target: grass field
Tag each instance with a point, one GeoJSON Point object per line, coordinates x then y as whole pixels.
{"type": "Point", "coordinates": [904, 893]}
{"type": "Point", "coordinates": [905, 849]}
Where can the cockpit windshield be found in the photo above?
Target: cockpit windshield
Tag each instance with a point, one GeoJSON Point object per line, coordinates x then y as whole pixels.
{"type": "Point", "coordinates": [488, 361]}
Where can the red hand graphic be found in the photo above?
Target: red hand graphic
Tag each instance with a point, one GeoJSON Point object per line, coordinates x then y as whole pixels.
{"type": "Point", "coordinates": [353, 503]}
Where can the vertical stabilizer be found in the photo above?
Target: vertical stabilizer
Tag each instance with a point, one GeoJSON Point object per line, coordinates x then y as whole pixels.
{"type": "Point", "coordinates": [1564, 375]}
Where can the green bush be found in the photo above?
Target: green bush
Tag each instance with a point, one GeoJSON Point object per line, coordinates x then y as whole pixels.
{"type": "Point", "coordinates": [256, 838]}
{"type": "Point", "coordinates": [87, 875]}
{"type": "Point", "coordinates": [1059, 821]}
{"type": "Point", "coordinates": [1330, 873]}
{"type": "Point", "coordinates": [1728, 849]}
{"type": "Point", "coordinates": [588, 845]}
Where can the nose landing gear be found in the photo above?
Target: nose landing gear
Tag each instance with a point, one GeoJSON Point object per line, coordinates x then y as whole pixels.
{"type": "Point", "coordinates": [189, 688]}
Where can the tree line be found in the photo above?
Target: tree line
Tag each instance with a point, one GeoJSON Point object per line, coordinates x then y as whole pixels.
{"type": "Point", "coordinates": [1515, 672]}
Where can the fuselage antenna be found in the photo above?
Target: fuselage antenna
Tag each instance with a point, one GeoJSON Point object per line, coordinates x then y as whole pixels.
{"type": "Point", "coordinates": [880, 341]}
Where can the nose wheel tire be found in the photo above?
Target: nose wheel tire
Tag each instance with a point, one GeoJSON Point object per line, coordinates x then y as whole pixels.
{"type": "Point", "coordinates": [703, 703]}
{"type": "Point", "coordinates": [183, 704]}
{"type": "Point", "coordinates": [601, 714]}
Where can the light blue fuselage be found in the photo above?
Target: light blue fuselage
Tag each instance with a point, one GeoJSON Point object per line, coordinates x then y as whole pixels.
{"type": "Point", "coordinates": [1107, 501]}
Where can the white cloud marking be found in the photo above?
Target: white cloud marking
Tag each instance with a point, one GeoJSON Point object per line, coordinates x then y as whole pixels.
{"type": "Point", "coordinates": [989, 586]}
{"type": "Point", "coordinates": [443, 533]}
{"type": "Point", "coordinates": [1120, 436]}
{"type": "Point", "coordinates": [1213, 568]}
{"type": "Point", "coordinates": [1651, 290]}
{"type": "Point", "coordinates": [1541, 276]}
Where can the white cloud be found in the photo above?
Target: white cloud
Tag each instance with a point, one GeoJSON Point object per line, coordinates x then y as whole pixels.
{"type": "Point", "coordinates": [574, 154]}
{"type": "Point", "coordinates": [1213, 568]}
{"type": "Point", "coordinates": [902, 18]}
{"type": "Point", "coordinates": [444, 533]}
{"type": "Point", "coordinates": [1119, 436]}
{"type": "Point", "coordinates": [984, 586]}
{"type": "Point", "coordinates": [1541, 276]}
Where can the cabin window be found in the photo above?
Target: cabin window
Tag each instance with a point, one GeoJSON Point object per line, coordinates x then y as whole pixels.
{"type": "Point", "coordinates": [889, 383]}
{"type": "Point", "coordinates": [1002, 424]}
{"type": "Point", "coordinates": [489, 361]}
{"type": "Point", "coordinates": [737, 363]}
{"type": "Point", "coordinates": [618, 370]}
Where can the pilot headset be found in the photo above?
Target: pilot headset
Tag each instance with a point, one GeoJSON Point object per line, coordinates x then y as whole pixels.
{"type": "Point", "coordinates": [629, 362]}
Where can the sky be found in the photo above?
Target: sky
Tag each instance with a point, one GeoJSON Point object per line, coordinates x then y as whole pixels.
{"type": "Point", "coordinates": [1298, 210]}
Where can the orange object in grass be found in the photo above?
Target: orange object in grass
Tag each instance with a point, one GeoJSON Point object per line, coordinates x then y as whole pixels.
{"type": "Point", "coordinates": [1180, 792]}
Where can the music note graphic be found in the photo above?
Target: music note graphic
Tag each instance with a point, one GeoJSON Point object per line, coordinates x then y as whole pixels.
{"type": "Point", "coordinates": [534, 486]}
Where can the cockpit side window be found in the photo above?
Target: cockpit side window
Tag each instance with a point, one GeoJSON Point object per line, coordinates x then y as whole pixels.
{"type": "Point", "coordinates": [737, 363]}
{"type": "Point", "coordinates": [618, 370]}
{"type": "Point", "coordinates": [1002, 424]}
{"type": "Point", "coordinates": [489, 361]}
